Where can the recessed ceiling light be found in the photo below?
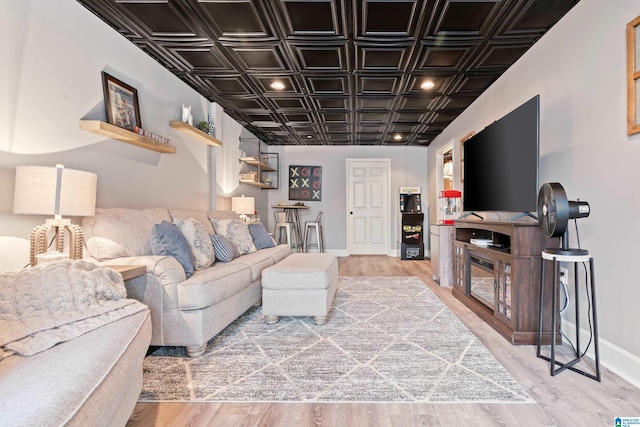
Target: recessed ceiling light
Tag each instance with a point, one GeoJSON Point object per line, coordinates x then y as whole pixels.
{"type": "Point", "coordinates": [397, 137]}
{"type": "Point", "coordinates": [277, 85]}
{"type": "Point", "coordinates": [309, 136]}
{"type": "Point", "coordinates": [427, 84]}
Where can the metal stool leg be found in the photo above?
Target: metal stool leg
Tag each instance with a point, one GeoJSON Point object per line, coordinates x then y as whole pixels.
{"type": "Point", "coordinates": [595, 319]}
{"type": "Point", "coordinates": [305, 242]}
{"type": "Point", "coordinates": [540, 309]}
{"type": "Point", "coordinates": [554, 317]}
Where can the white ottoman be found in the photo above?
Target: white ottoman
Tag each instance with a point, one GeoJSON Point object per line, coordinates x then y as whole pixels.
{"type": "Point", "coordinates": [302, 284]}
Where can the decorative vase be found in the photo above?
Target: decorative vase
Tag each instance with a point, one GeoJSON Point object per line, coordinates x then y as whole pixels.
{"type": "Point", "coordinates": [212, 127]}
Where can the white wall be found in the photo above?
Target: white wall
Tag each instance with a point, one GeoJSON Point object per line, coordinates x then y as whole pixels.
{"type": "Point", "coordinates": [578, 68]}
{"type": "Point", "coordinates": [51, 60]}
{"type": "Point", "coordinates": [408, 168]}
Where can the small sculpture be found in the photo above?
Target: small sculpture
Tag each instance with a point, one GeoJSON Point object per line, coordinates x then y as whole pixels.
{"type": "Point", "coordinates": [186, 115]}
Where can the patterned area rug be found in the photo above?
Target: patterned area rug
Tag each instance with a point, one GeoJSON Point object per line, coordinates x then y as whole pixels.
{"type": "Point", "coordinates": [388, 339]}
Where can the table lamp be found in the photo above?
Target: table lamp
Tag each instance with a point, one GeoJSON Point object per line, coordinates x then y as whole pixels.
{"type": "Point", "coordinates": [42, 190]}
{"type": "Point", "coordinates": [243, 206]}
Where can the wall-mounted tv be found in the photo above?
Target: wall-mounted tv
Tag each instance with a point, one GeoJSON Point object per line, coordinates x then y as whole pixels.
{"type": "Point", "coordinates": [501, 163]}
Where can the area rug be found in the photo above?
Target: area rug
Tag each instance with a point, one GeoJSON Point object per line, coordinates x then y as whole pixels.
{"type": "Point", "coordinates": [388, 339]}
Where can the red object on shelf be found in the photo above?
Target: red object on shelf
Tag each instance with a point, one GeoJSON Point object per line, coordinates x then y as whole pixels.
{"type": "Point", "coordinates": [450, 193]}
{"type": "Point", "coordinates": [449, 206]}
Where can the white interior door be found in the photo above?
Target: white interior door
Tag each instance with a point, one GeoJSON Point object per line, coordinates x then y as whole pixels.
{"type": "Point", "coordinates": [368, 215]}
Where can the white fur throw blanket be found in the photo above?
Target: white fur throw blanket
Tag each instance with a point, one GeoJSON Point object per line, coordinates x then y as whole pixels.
{"type": "Point", "coordinates": [56, 302]}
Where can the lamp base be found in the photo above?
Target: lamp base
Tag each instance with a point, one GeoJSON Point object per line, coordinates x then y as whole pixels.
{"type": "Point", "coordinates": [39, 236]}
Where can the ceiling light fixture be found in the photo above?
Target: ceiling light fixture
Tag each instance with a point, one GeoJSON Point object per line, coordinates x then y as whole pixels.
{"type": "Point", "coordinates": [397, 137]}
{"type": "Point", "coordinates": [277, 85]}
{"type": "Point", "coordinates": [427, 84]}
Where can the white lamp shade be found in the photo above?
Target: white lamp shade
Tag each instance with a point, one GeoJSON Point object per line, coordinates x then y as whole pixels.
{"type": "Point", "coordinates": [243, 205]}
{"type": "Point", "coordinates": [41, 190]}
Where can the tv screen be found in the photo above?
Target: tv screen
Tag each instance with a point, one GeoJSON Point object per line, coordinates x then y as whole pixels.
{"type": "Point", "coordinates": [501, 163]}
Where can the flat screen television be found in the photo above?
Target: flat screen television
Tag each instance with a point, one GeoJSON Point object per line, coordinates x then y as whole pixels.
{"type": "Point", "coordinates": [501, 163]}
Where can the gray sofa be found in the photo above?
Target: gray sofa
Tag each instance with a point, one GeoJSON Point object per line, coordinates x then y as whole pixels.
{"type": "Point", "coordinates": [184, 311]}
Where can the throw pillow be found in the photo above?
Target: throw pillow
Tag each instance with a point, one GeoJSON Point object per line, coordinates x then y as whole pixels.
{"type": "Point", "coordinates": [236, 231]}
{"type": "Point", "coordinates": [260, 236]}
{"type": "Point", "coordinates": [224, 249]}
{"type": "Point", "coordinates": [167, 240]}
{"type": "Point", "coordinates": [198, 240]}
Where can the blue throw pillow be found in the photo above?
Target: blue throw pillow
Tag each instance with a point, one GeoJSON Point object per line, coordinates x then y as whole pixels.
{"type": "Point", "coordinates": [167, 240]}
{"type": "Point", "coordinates": [224, 249]}
{"type": "Point", "coordinates": [260, 236]}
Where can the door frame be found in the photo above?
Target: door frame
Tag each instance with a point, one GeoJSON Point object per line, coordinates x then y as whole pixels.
{"type": "Point", "coordinates": [348, 162]}
{"type": "Point", "coordinates": [440, 173]}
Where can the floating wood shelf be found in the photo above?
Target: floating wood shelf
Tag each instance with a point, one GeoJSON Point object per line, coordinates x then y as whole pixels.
{"type": "Point", "coordinates": [124, 135]}
{"type": "Point", "coordinates": [254, 161]}
{"type": "Point", "coordinates": [195, 133]}
{"type": "Point", "coordinates": [257, 184]}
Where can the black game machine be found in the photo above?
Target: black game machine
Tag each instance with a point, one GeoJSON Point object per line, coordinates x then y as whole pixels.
{"type": "Point", "coordinates": [412, 224]}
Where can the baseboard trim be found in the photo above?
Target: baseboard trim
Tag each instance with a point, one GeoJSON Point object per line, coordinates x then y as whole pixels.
{"type": "Point", "coordinates": [338, 252]}
{"type": "Point", "coordinates": [616, 359]}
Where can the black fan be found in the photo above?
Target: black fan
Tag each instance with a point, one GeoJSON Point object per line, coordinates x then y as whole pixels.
{"type": "Point", "coordinates": [554, 213]}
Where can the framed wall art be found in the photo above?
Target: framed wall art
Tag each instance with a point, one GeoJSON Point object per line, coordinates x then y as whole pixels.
{"type": "Point", "coordinates": [633, 76]}
{"type": "Point", "coordinates": [121, 103]}
{"type": "Point", "coordinates": [305, 183]}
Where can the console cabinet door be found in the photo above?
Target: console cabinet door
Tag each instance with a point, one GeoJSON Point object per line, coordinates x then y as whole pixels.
{"type": "Point", "coordinates": [459, 267]}
{"type": "Point", "coordinates": [503, 268]}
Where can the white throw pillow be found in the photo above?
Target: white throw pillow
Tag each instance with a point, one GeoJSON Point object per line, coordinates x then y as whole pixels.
{"type": "Point", "coordinates": [199, 241]}
{"type": "Point", "coordinates": [236, 231]}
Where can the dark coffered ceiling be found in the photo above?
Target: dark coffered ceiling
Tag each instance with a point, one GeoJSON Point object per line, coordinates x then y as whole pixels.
{"type": "Point", "coordinates": [352, 69]}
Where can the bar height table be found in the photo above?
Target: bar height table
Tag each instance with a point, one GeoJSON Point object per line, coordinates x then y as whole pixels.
{"type": "Point", "coordinates": [293, 216]}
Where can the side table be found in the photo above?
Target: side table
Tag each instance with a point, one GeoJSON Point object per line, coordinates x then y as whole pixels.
{"type": "Point", "coordinates": [129, 271]}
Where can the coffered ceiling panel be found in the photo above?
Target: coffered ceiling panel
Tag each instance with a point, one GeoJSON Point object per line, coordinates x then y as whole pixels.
{"type": "Point", "coordinates": [336, 72]}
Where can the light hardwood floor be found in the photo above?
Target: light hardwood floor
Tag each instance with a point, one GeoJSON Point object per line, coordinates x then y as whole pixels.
{"type": "Point", "coordinates": [568, 399]}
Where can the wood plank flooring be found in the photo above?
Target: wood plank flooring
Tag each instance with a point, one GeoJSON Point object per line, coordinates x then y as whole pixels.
{"type": "Point", "coordinates": [568, 399]}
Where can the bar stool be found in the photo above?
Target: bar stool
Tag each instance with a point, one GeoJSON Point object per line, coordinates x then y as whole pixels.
{"type": "Point", "coordinates": [575, 256]}
{"type": "Point", "coordinates": [319, 240]}
{"type": "Point", "coordinates": [282, 227]}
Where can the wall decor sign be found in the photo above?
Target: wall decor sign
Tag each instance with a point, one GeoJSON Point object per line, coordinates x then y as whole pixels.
{"type": "Point", "coordinates": [305, 183]}
{"type": "Point", "coordinates": [121, 103]}
{"type": "Point", "coordinates": [633, 76]}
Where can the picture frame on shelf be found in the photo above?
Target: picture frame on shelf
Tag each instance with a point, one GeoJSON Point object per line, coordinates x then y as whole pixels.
{"type": "Point", "coordinates": [121, 103]}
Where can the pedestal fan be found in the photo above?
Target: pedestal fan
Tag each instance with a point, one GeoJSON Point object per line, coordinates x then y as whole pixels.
{"type": "Point", "coordinates": [554, 213]}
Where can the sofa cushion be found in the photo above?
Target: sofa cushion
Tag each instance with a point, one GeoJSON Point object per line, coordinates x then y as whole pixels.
{"type": "Point", "coordinates": [200, 215]}
{"type": "Point", "coordinates": [120, 232]}
{"type": "Point", "coordinates": [166, 239]}
{"type": "Point", "coordinates": [279, 253]}
{"type": "Point", "coordinates": [257, 261]}
{"type": "Point", "coordinates": [224, 249]}
{"type": "Point", "coordinates": [199, 242]}
{"type": "Point", "coordinates": [236, 231]}
{"type": "Point", "coordinates": [210, 286]}
{"type": "Point", "coordinates": [260, 236]}
{"type": "Point", "coordinates": [222, 215]}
